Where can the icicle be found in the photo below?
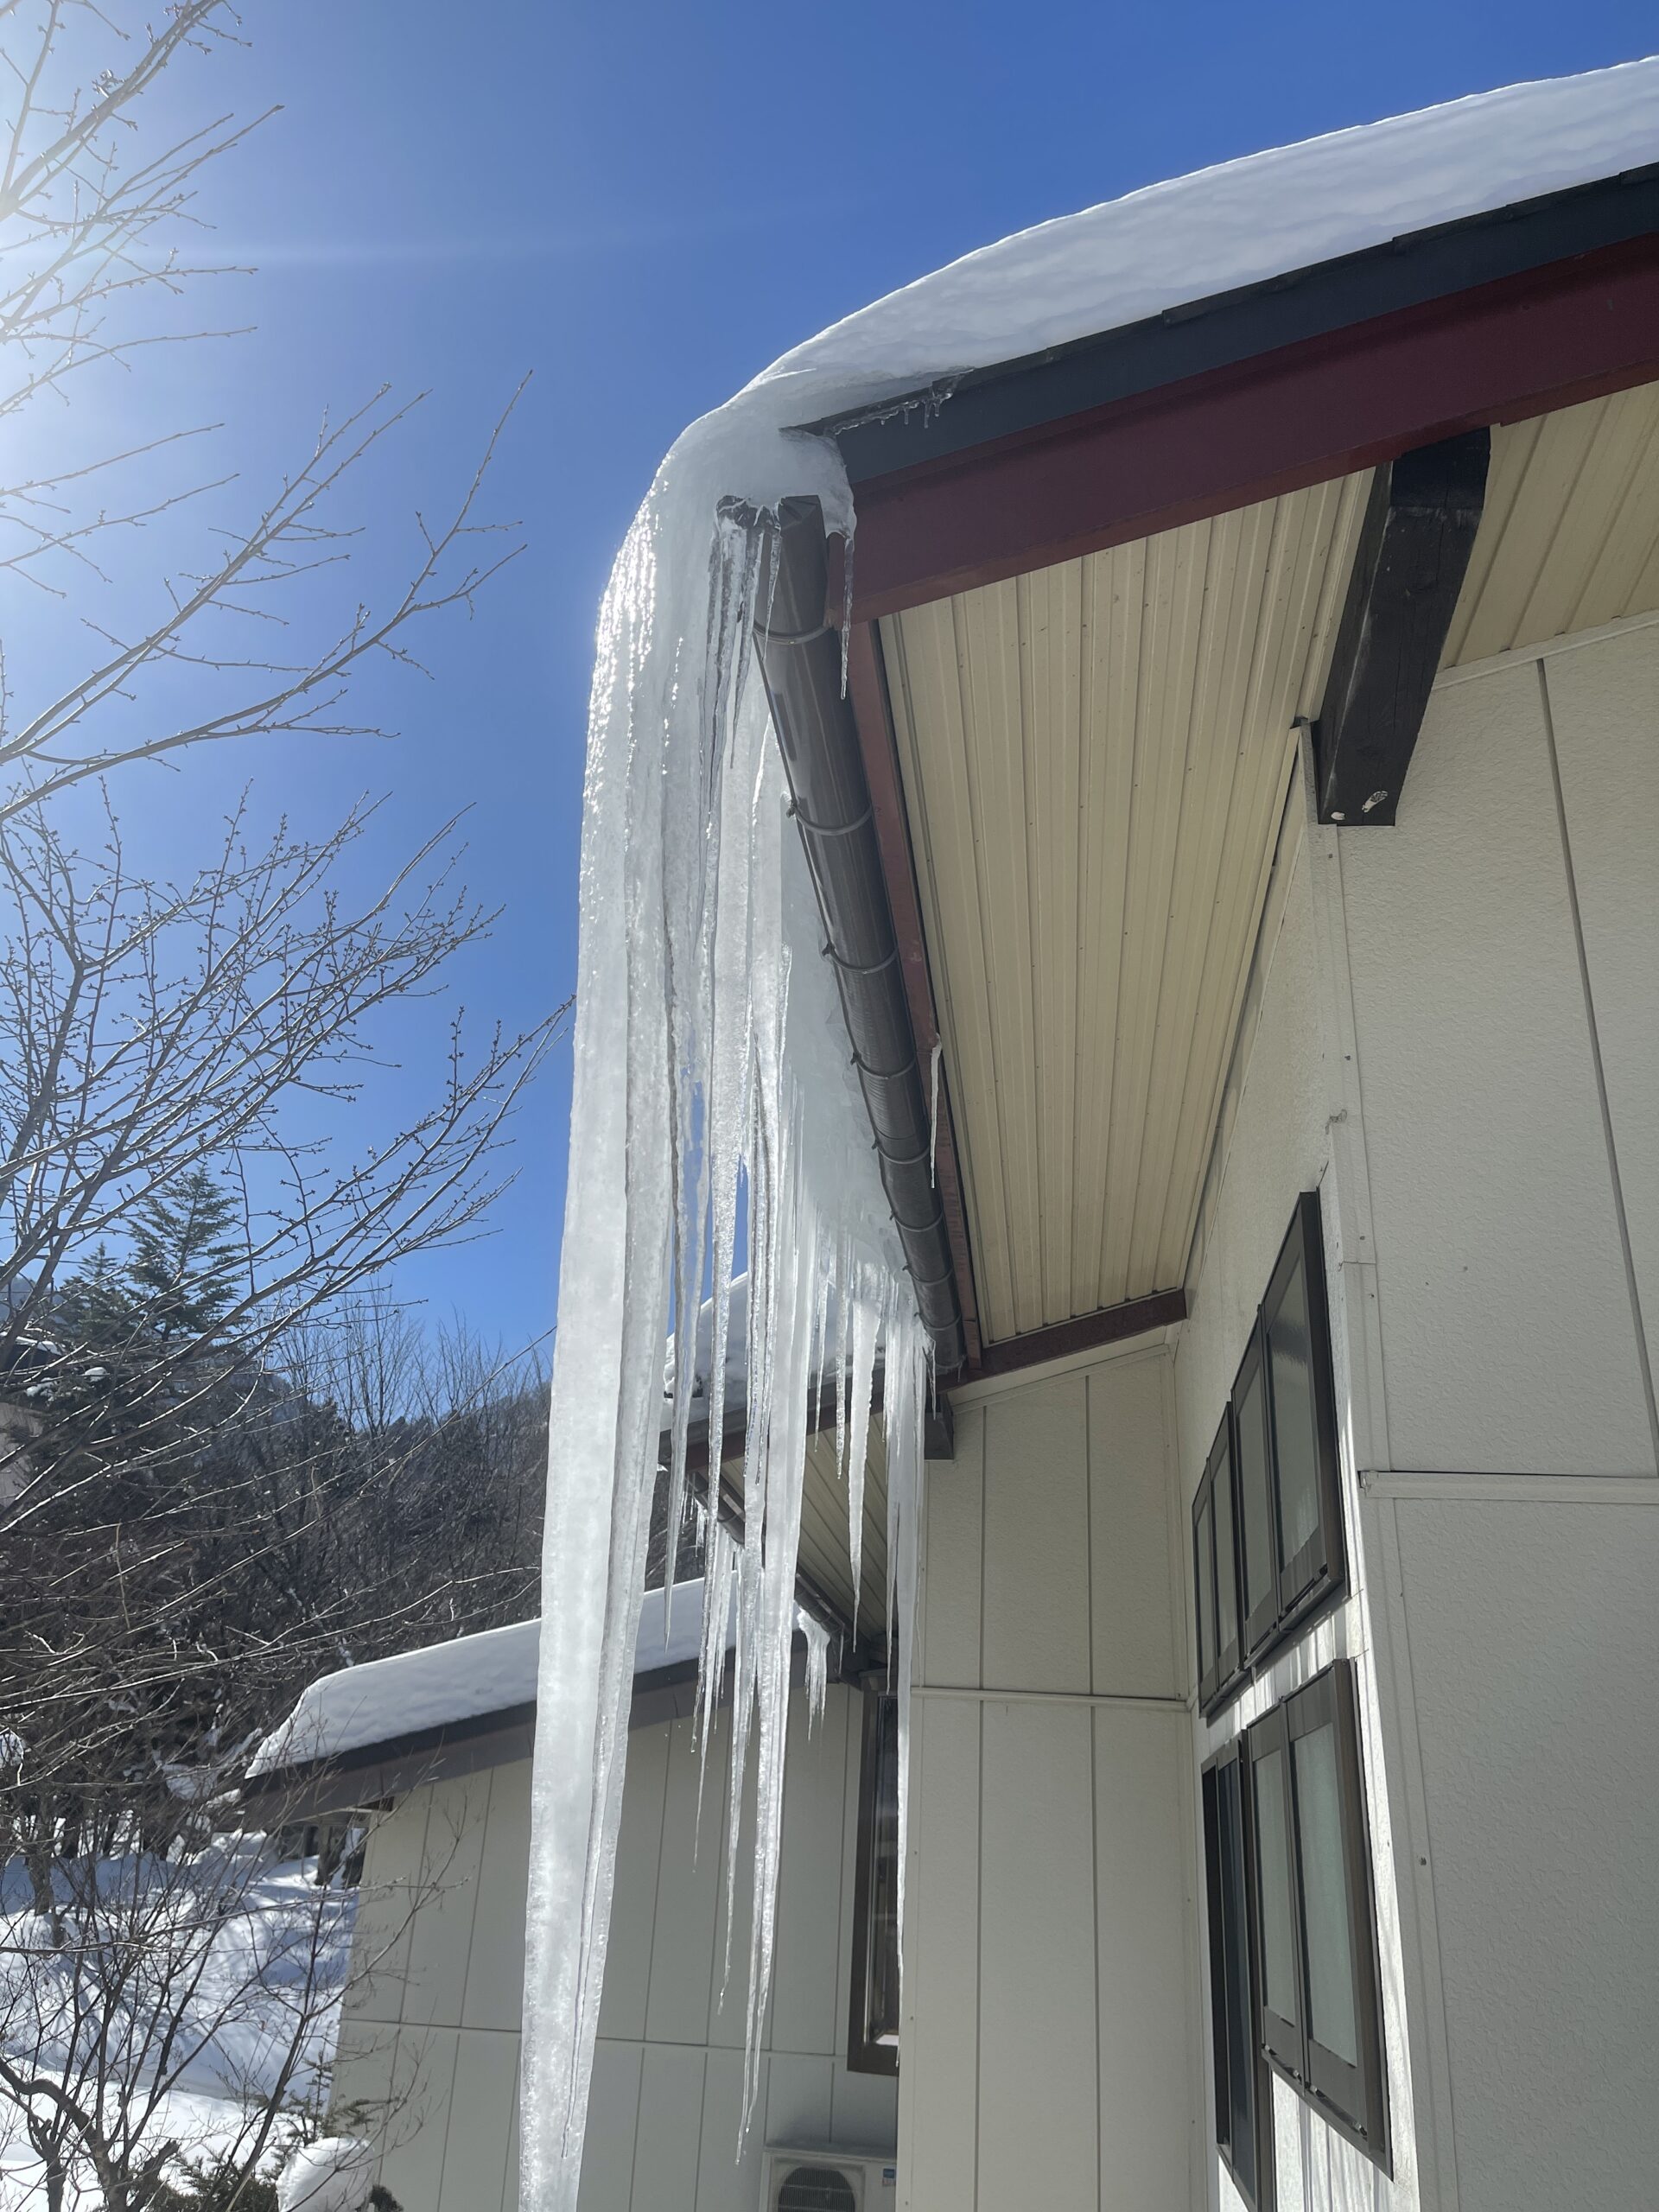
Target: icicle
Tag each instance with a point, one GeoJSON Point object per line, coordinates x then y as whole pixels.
{"type": "Point", "coordinates": [865, 1319]}
{"type": "Point", "coordinates": [817, 1665]}
{"type": "Point", "coordinates": [712, 1084]}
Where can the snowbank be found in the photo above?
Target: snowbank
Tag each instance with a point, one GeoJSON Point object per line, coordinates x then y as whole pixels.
{"type": "Point", "coordinates": [443, 1683]}
{"type": "Point", "coordinates": [336, 2175]}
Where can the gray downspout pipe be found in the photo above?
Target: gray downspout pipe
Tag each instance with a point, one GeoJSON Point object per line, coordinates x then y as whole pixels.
{"type": "Point", "coordinates": [799, 652]}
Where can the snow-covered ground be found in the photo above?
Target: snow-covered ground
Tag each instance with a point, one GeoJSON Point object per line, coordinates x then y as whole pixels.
{"type": "Point", "coordinates": [246, 1960]}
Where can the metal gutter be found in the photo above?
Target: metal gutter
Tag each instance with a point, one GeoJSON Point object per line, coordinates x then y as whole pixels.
{"type": "Point", "coordinates": [800, 657]}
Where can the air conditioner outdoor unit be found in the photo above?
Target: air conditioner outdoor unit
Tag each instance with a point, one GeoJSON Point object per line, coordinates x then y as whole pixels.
{"type": "Point", "coordinates": [810, 2180]}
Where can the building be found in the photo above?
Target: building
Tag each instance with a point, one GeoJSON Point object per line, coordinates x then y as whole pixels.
{"type": "Point", "coordinates": [1252, 730]}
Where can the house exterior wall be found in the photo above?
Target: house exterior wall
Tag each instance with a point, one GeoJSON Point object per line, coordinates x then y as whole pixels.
{"type": "Point", "coordinates": [1051, 2035]}
{"type": "Point", "coordinates": [437, 2020]}
{"type": "Point", "coordinates": [1505, 951]}
{"type": "Point", "coordinates": [1284, 1127]}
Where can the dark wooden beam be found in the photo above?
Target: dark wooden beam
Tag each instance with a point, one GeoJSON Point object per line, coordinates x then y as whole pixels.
{"type": "Point", "coordinates": [1110, 1324]}
{"type": "Point", "coordinates": [1323, 408]}
{"type": "Point", "coordinates": [1413, 555]}
{"type": "Point", "coordinates": [867, 684]}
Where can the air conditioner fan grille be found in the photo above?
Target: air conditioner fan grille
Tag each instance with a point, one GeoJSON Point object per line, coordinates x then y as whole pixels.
{"type": "Point", "coordinates": [815, 2188]}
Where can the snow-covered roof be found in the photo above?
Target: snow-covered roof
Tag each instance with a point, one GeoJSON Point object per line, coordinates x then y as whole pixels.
{"type": "Point", "coordinates": [441, 1684]}
{"type": "Point", "coordinates": [1243, 222]}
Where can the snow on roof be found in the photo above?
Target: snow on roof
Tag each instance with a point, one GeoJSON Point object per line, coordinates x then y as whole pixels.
{"type": "Point", "coordinates": [443, 1683]}
{"type": "Point", "coordinates": [1243, 222]}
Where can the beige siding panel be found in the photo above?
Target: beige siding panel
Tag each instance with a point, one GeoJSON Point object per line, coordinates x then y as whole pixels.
{"type": "Point", "coordinates": [670, 2129]}
{"type": "Point", "coordinates": [442, 1940]}
{"type": "Point", "coordinates": [1605, 703]}
{"type": "Point", "coordinates": [1094, 758]}
{"type": "Point", "coordinates": [1467, 993]}
{"type": "Point", "coordinates": [942, 1984]}
{"type": "Point", "coordinates": [386, 1906]}
{"type": "Point", "coordinates": [362, 2077]}
{"type": "Point", "coordinates": [1134, 1650]}
{"type": "Point", "coordinates": [495, 1975]}
{"type": "Point", "coordinates": [1566, 541]}
{"type": "Point", "coordinates": [727, 2180]}
{"type": "Point", "coordinates": [953, 1533]}
{"type": "Point", "coordinates": [423, 2080]}
{"type": "Point", "coordinates": [1038, 2075]}
{"type": "Point", "coordinates": [804, 2013]}
{"type": "Point", "coordinates": [725, 2020]}
{"type": "Point", "coordinates": [1149, 2100]}
{"type": "Point", "coordinates": [633, 1900]}
{"type": "Point", "coordinates": [800, 2098]}
{"type": "Point", "coordinates": [612, 2126]}
{"type": "Point", "coordinates": [1036, 1565]}
{"type": "Point", "coordinates": [688, 1886]}
{"type": "Point", "coordinates": [481, 2120]}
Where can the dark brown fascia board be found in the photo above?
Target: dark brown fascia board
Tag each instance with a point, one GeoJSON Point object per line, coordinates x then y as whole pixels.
{"type": "Point", "coordinates": [1276, 423]}
{"type": "Point", "coordinates": [1023, 395]}
{"type": "Point", "coordinates": [1414, 551]}
{"type": "Point", "coordinates": [1107, 1325]}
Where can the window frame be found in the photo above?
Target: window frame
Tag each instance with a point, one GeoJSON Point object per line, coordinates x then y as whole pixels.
{"type": "Point", "coordinates": [1260, 2195]}
{"type": "Point", "coordinates": [1353, 2097]}
{"type": "Point", "coordinates": [1216, 1680]}
{"type": "Point", "coordinates": [866, 2054]}
{"type": "Point", "coordinates": [1300, 1588]}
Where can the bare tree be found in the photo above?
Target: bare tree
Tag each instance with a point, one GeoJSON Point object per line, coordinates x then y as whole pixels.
{"type": "Point", "coordinates": [213, 1971]}
{"type": "Point", "coordinates": [101, 240]}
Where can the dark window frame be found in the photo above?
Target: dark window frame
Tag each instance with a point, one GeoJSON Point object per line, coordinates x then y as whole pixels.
{"type": "Point", "coordinates": [1353, 2097]}
{"type": "Point", "coordinates": [1298, 1588]}
{"type": "Point", "coordinates": [866, 2052]}
{"type": "Point", "coordinates": [1227, 1772]}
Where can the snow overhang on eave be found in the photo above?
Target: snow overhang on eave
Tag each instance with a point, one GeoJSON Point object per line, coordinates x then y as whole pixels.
{"type": "Point", "coordinates": [1239, 401]}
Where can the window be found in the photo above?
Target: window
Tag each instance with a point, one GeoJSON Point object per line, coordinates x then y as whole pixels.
{"type": "Point", "coordinates": [1244, 2092]}
{"type": "Point", "coordinates": [1267, 1521]}
{"type": "Point", "coordinates": [1321, 2017]}
{"type": "Point", "coordinates": [872, 2037]}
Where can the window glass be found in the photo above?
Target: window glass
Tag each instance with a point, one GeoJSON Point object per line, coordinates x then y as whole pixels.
{"type": "Point", "coordinates": [1226, 1573]}
{"type": "Point", "coordinates": [1325, 1895]}
{"type": "Point", "coordinates": [882, 1967]}
{"type": "Point", "coordinates": [1255, 1494]}
{"type": "Point", "coordinates": [1240, 2035]}
{"type": "Point", "coordinates": [1206, 1591]}
{"type": "Point", "coordinates": [1295, 1432]}
{"type": "Point", "coordinates": [1274, 1878]}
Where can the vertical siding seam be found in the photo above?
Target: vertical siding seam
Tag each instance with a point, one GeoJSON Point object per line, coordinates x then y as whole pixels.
{"type": "Point", "coordinates": [471, 1917]}
{"type": "Point", "coordinates": [1631, 1286]}
{"type": "Point", "coordinates": [1094, 1863]}
{"type": "Point", "coordinates": [979, 1945]}
{"type": "Point", "coordinates": [1089, 1525]}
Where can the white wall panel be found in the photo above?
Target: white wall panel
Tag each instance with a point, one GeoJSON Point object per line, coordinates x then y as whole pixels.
{"type": "Point", "coordinates": [1049, 2042]}
{"type": "Point", "coordinates": [479, 2133]}
{"type": "Point", "coordinates": [670, 2127]}
{"type": "Point", "coordinates": [1146, 1917]}
{"type": "Point", "coordinates": [1036, 1564]}
{"type": "Point", "coordinates": [612, 2124]}
{"type": "Point", "coordinates": [1535, 1656]}
{"type": "Point", "coordinates": [1507, 1337]}
{"type": "Point", "coordinates": [1133, 1626]}
{"type": "Point", "coordinates": [440, 1939]}
{"type": "Point", "coordinates": [688, 1898]}
{"type": "Point", "coordinates": [633, 1901]}
{"type": "Point", "coordinates": [1606, 710]}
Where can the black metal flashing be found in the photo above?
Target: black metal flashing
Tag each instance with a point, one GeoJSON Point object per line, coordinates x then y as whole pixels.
{"type": "Point", "coordinates": [800, 657]}
{"type": "Point", "coordinates": [1413, 555]}
{"type": "Point", "coordinates": [959, 412]}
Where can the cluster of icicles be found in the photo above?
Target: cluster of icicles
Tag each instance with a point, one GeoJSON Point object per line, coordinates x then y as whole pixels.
{"type": "Point", "coordinates": [712, 1088]}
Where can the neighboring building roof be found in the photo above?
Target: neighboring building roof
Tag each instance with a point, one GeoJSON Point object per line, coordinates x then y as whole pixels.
{"type": "Point", "coordinates": [411, 1702]}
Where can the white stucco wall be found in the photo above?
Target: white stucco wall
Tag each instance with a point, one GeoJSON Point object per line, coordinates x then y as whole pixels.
{"type": "Point", "coordinates": [440, 2020]}
{"type": "Point", "coordinates": [1052, 2036]}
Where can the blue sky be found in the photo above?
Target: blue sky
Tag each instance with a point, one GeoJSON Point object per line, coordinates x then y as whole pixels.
{"type": "Point", "coordinates": [642, 205]}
